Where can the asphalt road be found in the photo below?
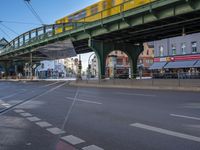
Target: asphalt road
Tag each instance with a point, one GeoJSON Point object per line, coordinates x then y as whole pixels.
{"type": "Point", "coordinates": [56, 116]}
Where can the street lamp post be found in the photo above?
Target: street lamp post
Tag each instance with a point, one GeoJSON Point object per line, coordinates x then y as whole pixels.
{"type": "Point", "coordinates": [79, 68]}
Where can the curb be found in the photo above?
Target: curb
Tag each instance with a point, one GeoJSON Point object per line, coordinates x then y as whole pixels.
{"type": "Point", "coordinates": [191, 89]}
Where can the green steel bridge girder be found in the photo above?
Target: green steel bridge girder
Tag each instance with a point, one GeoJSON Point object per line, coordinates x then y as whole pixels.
{"type": "Point", "coordinates": [156, 12]}
{"type": "Point", "coordinates": [103, 48]}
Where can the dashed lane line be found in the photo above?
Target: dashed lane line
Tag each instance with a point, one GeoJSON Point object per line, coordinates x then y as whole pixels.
{"type": "Point", "coordinates": [43, 124]}
{"type": "Point", "coordinates": [72, 139]}
{"type": "Point", "coordinates": [33, 119]}
{"type": "Point", "coordinates": [51, 84]}
{"type": "Point", "coordinates": [19, 111]}
{"type": "Point", "coordinates": [166, 132]}
{"type": "Point", "coordinates": [85, 101]}
{"type": "Point", "coordinates": [135, 94]}
{"type": "Point", "coordinates": [92, 147]}
{"type": "Point", "coordinates": [183, 116]}
{"type": "Point", "coordinates": [24, 101]}
{"type": "Point", "coordinates": [6, 105]}
{"type": "Point", "coordinates": [25, 114]}
{"type": "Point", "coordinates": [55, 130]}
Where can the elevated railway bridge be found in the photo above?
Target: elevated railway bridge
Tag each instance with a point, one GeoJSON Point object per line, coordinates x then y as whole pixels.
{"type": "Point", "coordinates": [125, 31]}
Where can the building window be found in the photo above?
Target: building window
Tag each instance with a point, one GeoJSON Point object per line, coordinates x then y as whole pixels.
{"type": "Point", "coordinates": [173, 49]}
{"type": "Point", "coordinates": [122, 53]}
{"type": "Point", "coordinates": [94, 10]}
{"type": "Point", "coordinates": [116, 52]}
{"type": "Point", "coordinates": [161, 49]}
{"type": "Point", "coordinates": [194, 47]}
{"type": "Point", "coordinates": [183, 48]}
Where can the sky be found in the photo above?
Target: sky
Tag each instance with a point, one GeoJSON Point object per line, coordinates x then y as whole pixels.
{"type": "Point", "coordinates": [12, 12]}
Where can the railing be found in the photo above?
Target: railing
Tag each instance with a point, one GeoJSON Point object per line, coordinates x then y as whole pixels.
{"type": "Point", "coordinates": [153, 79]}
{"type": "Point", "coordinates": [36, 35]}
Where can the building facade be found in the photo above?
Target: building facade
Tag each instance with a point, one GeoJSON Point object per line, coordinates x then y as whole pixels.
{"type": "Point", "coordinates": [145, 59]}
{"type": "Point", "coordinates": [177, 54]}
{"type": "Point", "coordinates": [117, 65]}
{"type": "Point", "coordinates": [51, 69]}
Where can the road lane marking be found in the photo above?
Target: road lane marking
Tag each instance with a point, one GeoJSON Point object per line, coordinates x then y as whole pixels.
{"type": "Point", "coordinates": [55, 130]}
{"type": "Point", "coordinates": [92, 147]}
{"type": "Point", "coordinates": [11, 95]}
{"type": "Point", "coordinates": [135, 94]}
{"type": "Point", "coordinates": [85, 101]}
{"type": "Point", "coordinates": [19, 110]}
{"type": "Point", "coordinates": [25, 114]}
{"type": "Point", "coordinates": [50, 84]}
{"type": "Point", "coordinates": [43, 124]}
{"type": "Point", "coordinates": [33, 119]}
{"type": "Point", "coordinates": [72, 139]}
{"type": "Point", "coordinates": [166, 132]}
{"type": "Point", "coordinates": [187, 117]}
{"type": "Point", "coordinates": [6, 105]}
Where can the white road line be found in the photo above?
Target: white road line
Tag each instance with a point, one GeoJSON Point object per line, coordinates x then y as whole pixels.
{"type": "Point", "coordinates": [187, 117]}
{"type": "Point", "coordinates": [50, 84]}
{"type": "Point", "coordinates": [135, 94]}
{"type": "Point", "coordinates": [19, 110]}
{"type": "Point", "coordinates": [43, 124]}
{"type": "Point", "coordinates": [92, 147]}
{"type": "Point", "coordinates": [72, 139]}
{"type": "Point", "coordinates": [167, 132]}
{"type": "Point", "coordinates": [33, 119]}
{"type": "Point", "coordinates": [11, 95]}
{"type": "Point", "coordinates": [25, 114]}
{"type": "Point", "coordinates": [6, 105]}
{"type": "Point", "coordinates": [85, 101]}
{"type": "Point", "coordinates": [55, 130]}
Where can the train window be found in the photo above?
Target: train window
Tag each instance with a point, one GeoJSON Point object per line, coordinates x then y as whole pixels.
{"type": "Point", "coordinates": [125, 0]}
{"type": "Point", "coordinates": [104, 5]}
{"type": "Point", "coordinates": [94, 10]}
{"type": "Point", "coordinates": [70, 18]}
{"type": "Point", "coordinates": [77, 16]}
{"type": "Point", "coordinates": [113, 2]}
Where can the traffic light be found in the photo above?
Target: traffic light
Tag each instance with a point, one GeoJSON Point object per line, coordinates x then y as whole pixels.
{"type": "Point", "coordinates": [89, 66]}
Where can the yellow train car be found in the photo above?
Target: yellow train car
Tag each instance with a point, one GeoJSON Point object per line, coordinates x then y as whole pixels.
{"type": "Point", "coordinates": [99, 10]}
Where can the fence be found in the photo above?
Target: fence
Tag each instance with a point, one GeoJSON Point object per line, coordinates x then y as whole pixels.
{"type": "Point", "coordinates": [166, 79]}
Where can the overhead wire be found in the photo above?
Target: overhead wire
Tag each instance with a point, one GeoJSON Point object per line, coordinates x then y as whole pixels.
{"type": "Point", "coordinates": [19, 22]}
{"type": "Point", "coordinates": [30, 7]}
{"type": "Point", "coordinates": [8, 28]}
{"type": "Point", "coordinates": [5, 33]}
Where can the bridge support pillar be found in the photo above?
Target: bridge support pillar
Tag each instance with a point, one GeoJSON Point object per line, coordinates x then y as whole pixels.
{"type": "Point", "coordinates": [103, 48]}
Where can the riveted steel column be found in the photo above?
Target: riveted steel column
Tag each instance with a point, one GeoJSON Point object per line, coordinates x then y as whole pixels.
{"type": "Point", "coordinates": [18, 42]}
{"type": "Point", "coordinates": [44, 31]}
{"type": "Point", "coordinates": [133, 52]}
{"type": "Point", "coordinates": [24, 38]}
{"type": "Point", "coordinates": [31, 66]}
{"type": "Point", "coordinates": [101, 49]}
